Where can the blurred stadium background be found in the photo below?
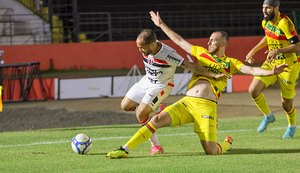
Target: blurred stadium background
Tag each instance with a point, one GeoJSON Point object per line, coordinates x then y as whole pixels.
{"type": "Point", "coordinates": [64, 21]}
{"type": "Point", "coordinates": [44, 39]}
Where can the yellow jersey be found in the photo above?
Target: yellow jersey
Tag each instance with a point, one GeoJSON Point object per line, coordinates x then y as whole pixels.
{"type": "Point", "coordinates": [280, 34]}
{"type": "Point", "coordinates": [211, 62]}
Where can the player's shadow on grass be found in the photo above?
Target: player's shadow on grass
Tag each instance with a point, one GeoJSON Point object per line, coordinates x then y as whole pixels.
{"type": "Point", "coordinates": [235, 151]}
{"type": "Point", "coordinates": [261, 151]}
{"type": "Point", "coordinates": [168, 154]}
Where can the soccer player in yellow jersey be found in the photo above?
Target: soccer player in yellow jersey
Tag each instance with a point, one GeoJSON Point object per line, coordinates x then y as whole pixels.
{"type": "Point", "coordinates": [283, 43]}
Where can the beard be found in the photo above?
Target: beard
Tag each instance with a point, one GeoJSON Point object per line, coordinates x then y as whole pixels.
{"type": "Point", "coordinates": [270, 17]}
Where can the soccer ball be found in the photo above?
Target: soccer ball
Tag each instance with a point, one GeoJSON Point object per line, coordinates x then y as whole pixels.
{"type": "Point", "coordinates": [81, 143]}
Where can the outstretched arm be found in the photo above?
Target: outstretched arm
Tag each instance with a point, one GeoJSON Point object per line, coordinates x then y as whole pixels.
{"type": "Point", "coordinates": [176, 38]}
{"type": "Point", "coordinates": [257, 71]}
{"type": "Point", "coordinates": [289, 49]}
{"type": "Point", "coordinates": [195, 68]}
{"type": "Point", "coordinates": [249, 57]}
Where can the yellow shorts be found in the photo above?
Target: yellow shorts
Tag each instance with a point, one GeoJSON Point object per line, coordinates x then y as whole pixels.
{"type": "Point", "coordinates": [287, 80]}
{"type": "Point", "coordinates": [202, 112]}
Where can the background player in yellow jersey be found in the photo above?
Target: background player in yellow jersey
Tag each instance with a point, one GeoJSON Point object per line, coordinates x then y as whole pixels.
{"type": "Point", "coordinates": [199, 106]}
{"type": "Point", "coordinates": [282, 41]}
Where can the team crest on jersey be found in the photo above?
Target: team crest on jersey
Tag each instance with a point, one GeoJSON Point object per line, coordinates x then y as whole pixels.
{"type": "Point", "coordinates": [216, 65]}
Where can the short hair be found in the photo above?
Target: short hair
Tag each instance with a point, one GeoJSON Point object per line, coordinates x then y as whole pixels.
{"type": "Point", "coordinates": [274, 3]}
{"type": "Point", "coordinates": [148, 36]}
{"type": "Point", "coordinates": [224, 35]}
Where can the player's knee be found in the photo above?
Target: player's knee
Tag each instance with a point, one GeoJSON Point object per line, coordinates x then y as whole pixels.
{"type": "Point", "coordinates": [212, 150]}
{"type": "Point", "coordinates": [253, 93]}
{"type": "Point", "coordinates": [127, 107]}
{"type": "Point", "coordinates": [142, 118]}
{"type": "Point", "coordinates": [287, 105]}
{"type": "Point", "coordinates": [161, 120]}
{"type": "Point", "coordinates": [143, 121]}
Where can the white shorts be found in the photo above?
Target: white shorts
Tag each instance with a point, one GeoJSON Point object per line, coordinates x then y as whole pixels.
{"type": "Point", "coordinates": [149, 92]}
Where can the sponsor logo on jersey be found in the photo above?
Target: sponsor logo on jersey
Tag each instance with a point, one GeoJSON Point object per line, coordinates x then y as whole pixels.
{"type": "Point", "coordinates": [174, 59]}
{"type": "Point", "coordinates": [153, 72]}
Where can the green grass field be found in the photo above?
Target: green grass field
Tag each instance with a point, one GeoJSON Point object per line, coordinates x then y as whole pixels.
{"type": "Point", "coordinates": [49, 151]}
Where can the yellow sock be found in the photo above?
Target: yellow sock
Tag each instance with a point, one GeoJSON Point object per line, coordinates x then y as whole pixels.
{"type": "Point", "coordinates": [261, 104]}
{"type": "Point", "coordinates": [141, 135]}
{"type": "Point", "coordinates": [291, 117]}
{"type": "Point", "coordinates": [224, 147]}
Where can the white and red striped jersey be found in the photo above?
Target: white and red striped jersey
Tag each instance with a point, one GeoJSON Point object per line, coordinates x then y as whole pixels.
{"type": "Point", "coordinates": [161, 66]}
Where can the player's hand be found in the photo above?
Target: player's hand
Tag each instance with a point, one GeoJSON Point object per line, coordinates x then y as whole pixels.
{"type": "Point", "coordinates": [271, 54]}
{"type": "Point", "coordinates": [221, 76]}
{"type": "Point", "coordinates": [155, 17]}
{"type": "Point", "coordinates": [249, 58]}
{"type": "Point", "coordinates": [279, 69]}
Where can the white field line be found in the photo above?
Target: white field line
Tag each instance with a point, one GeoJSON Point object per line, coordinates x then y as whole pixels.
{"type": "Point", "coordinates": [127, 137]}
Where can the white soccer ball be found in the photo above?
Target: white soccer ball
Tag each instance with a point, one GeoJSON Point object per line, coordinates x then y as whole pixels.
{"type": "Point", "coordinates": [81, 143]}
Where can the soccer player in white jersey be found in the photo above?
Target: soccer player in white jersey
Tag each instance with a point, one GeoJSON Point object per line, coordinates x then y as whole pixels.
{"type": "Point", "coordinates": [160, 63]}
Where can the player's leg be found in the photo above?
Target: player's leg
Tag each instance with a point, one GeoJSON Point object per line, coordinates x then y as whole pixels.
{"type": "Point", "coordinates": [151, 101]}
{"type": "Point", "coordinates": [290, 110]}
{"type": "Point", "coordinates": [288, 81]}
{"type": "Point", "coordinates": [175, 114]}
{"type": "Point", "coordinates": [205, 125]}
{"type": "Point", "coordinates": [137, 98]}
{"type": "Point", "coordinates": [128, 105]}
{"type": "Point", "coordinates": [133, 96]}
{"type": "Point", "coordinates": [214, 148]}
{"type": "Point", "coordinates": [143, 115]}
{"type": "Point", "coordinates": [256, 88]}
{"type": "Point", "coordinates": [142, 135]}
{"type": "Point", "coordinates": [156, 148]}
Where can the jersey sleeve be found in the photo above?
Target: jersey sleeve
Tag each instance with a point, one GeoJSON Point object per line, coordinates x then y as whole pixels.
{"type": "Point", "coordinates": [174, 58]}
{"type": "Point", "coordinates": [263, 23]}
{"type": "Point", "coordinates": [170, 56]}
{"type": "Point", "coordinates": [235, 65]}
{"type": "Point", "coordinates": [287, 26]}
{"type": "Point", "coordinates": [197, 50]}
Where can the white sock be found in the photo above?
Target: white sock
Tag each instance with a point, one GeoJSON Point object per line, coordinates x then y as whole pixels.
{"type": "Point", "coordinates": [154, 140]}
{"type": "Point", "coordinates": [125, 148]}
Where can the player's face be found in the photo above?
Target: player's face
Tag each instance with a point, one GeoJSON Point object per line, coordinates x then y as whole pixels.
{"type": "Point", "coordinates": [145, 49]}
{"type": "Point", "coordinates": [214, 42]}
{"type": "Point", "coordinates": [268, 12]}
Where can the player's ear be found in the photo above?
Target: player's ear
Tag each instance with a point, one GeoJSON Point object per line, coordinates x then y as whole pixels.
{"type": "Point", "coordinates": [224, 43]}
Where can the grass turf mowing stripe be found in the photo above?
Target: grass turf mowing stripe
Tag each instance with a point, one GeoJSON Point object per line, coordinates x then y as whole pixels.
{"type": "Point", "coordinates": [127, 137]}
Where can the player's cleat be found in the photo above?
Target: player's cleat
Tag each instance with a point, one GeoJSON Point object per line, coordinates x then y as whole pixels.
{"type": "Point", "coordinates": [155, 150]}
{"type": "Point", "coordinates": [265, 121]}
{"type": "Point", "coordinates": [229, 139]}
{"type": "Point", "coordinates": [289, 133]}
{"type": "Point", "coordinates": [118, 153]}
{"type": "Point", "coordinates": [160, 108]}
